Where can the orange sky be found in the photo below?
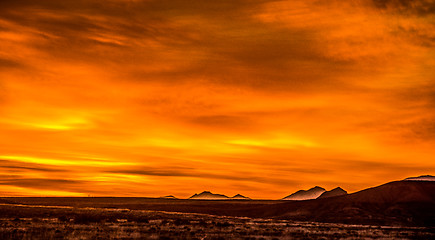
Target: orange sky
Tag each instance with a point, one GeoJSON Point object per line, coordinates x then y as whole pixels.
{"type": "Point", "coordinates": [262, 98]}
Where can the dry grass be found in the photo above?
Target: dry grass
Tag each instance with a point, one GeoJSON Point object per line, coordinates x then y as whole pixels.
{"type": "Point", "coordinates": [21, 222]}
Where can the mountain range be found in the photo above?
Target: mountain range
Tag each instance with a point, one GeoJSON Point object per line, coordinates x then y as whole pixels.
{"type": "Point", "coordinates": [338, 191]}
{"type": "Point", "coordinates": [401, 202]}
{"type": "Point", "coordinates": [409, 202]}
{"type": "Point", "coordinates": [312, 193]}
{"type": "Point", "coordinates": [207, 195]}
{"type": "Point", "coordinates": [421, 178]}
{"type": "Point", "coordinates": [169, 197]}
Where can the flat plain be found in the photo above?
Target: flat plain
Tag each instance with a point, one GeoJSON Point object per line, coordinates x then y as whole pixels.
{"type": "Point", "coordinates": [153, 218]}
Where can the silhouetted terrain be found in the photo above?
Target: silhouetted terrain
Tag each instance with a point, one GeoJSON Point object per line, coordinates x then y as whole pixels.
{"type": "Point", "coordinates": [401, 202]}
{"type": "Point", "coordinates": [312, 193]}
{"type": "Point", "coordinates": [169, 197]}
{"type": "Point", "coordinates": [333, 193]}
{"type": "Point", "coordinates": [408, 206]}
{"type": "Point", "coordinates": [5, 201]}
{"type": "Point", "coordinates": [409, 203]}
{"type": "Point", "coordinates": [240, 197]}
{"type": "Point", "coordinates": [421, 178]}
{"type": "Point", "coordinates": [208, 195]}
{"type": "Point", "coordinates": [83, 223]}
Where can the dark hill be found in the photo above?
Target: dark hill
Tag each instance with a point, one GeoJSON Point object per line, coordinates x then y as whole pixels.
{"type": "Point", "coordinates": [169, 197]}
{"type": "Point", "coordinates": [312, 193]}
{"type": "Point", "coordinates": [207, 195]}
{"type": "Point", "coordinates": [333, 193]}
{"type": "Point", "coordinates": [421, 178]}
{"type": "Point", "coordinates": [401, 202]}
{"type": "Point", "coordinates": [408, 203]}
{"type": "Point", "coordinates": [240, 197]}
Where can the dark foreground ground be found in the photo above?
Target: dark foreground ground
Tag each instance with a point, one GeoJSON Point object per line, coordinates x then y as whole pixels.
{"type": "Point", "coordinates": [19, 221]}
{"type": "Point", "coordinates": [396, 210]}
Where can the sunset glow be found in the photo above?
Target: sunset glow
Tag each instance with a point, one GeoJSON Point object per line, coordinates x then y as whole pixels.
{"type": "Point", "coordinates": [262, 98]}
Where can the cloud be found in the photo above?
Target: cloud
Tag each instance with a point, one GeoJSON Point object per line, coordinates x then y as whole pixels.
{"type": "Point", "coordinates": [232, 175]}
{"type": "Point", "coordinates": [228, 122]}
{"type": "Point", "coordinates": [8, 64]}
{"type": "Point", "coordinates": [224, 93]}
{"type": "Point", "coordinates": [381, 166]}
{"type": "Point", "coordinates": [20, 166]}
{"type": "Point", "coordinates": [419, 7]}
{"type": "Point", "coordinates": [40, 183]}
{"type": "Point", "coordinates": [153, 33]}
{"type": "Point", "coordinates": [423, 130]}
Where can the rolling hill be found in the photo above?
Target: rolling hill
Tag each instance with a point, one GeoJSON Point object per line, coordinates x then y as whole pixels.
{"type": "Point", "coordinates": [207, 195]}
{"type": "Point", "coordinates": [333, 193]}
{"type": "Point", "coordinates": [239, 197]}
{"type": "Point", "coordinates": [400, 202]}
{"type": "Point", "coordinates": [312, 193]}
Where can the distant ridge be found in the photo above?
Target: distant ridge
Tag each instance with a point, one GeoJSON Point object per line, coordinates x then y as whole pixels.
{"type": "Point", "coordinates": [207, 195]}
{"type": "Point", "coordinates": [169, 197]}
{"type": "Point", "coordinates": [421, 178]}
{"type": "Point", "coordinates": [312, 193]}
{"type": "Point", "coordinates": [240, 197]}
{"type": "Point", "coordinates": [338, 191]}
{"type": "Point", "coordinates": [398, 203]}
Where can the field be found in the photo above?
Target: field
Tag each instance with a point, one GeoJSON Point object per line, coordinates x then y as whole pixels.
{"type": "Point", "coordinates": [125, 218]}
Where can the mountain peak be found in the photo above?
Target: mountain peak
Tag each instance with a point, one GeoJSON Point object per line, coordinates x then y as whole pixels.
{"type": "Point", "coordinates": [169, 197]}
{"type": "Point", "coordinates": [239, 196]}
{"type": "Point", "coordinates": [338, 191]}
{"type": "Point", "coordinates": [207, 195]}
{"type": "Point", "coordinates": [421, 178]}
{"type": "Point", "coordinates": [311, 193]}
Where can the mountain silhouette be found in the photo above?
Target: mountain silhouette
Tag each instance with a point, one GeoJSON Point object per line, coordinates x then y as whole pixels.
{"type": "Point", "coordinates": [207, 195]}
{"type": "Point", "coordinates": [169, 197]}
{"type": "Point", "coordinates": [338, 191]}
{"type": "Point", "coordinates": [421, 178]}
{"type": "Point", "coordinates": [240, 197]}
{"type": "Point", "coordinates": [312, 193]}
{"type": "Point", "coordinates": [401, 202]}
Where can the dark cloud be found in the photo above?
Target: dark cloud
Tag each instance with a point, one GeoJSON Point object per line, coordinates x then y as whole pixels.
{"type": "Point", "coordinates": [232, 175]}
{"type": "Point", "coordinates": [382, 166]}
{"type": "Point", "coordinates": [341, 64]}
{"type": "Point", "coordinates": [422, 130]}
{"type": "Point", "coordinates": [223, 121]}
{"type": "Point", "coordinates": [40, 183]}
{"type": "Point", "coordinates": [8, 64]}
{"type": "Point", "coordinates": [223, 42]}
{"type": "Point", "coordinates": [29, 168]}
{"type": "Point", "coordinates": [419, 7]}
{"type": "Point", "coordinates": [422, 36]}
{"type": "Point", "coordinates": [150, 19]}
{"type": "Point", "coordinates": [419, 102]}
{"type": "Point", "coordinates": [14, 165]}
{"type": "Point", "coordinates": [164, 172]}
{"type": "Point", "coordinates": [309, 170]}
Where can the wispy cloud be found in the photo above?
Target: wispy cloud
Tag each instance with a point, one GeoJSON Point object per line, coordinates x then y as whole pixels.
{"type": "Point", "coordinates": [176, 96]}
